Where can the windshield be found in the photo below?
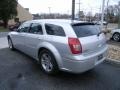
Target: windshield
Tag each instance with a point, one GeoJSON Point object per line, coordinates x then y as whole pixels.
{"type": "Point", "coordinates": [86, 30]}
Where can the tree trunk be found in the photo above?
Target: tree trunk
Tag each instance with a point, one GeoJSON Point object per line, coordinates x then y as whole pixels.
{"type": "Point", "coordinates": [5, 23]}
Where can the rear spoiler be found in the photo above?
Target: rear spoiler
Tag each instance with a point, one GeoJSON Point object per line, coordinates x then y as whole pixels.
{"type": "Point", "coordinates": [85, 23]}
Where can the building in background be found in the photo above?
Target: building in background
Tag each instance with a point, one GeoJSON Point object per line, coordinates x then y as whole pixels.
{"type": "Point", "coordinates": [51, 16]}
{"type": "Point", "coordinates": [23, 15]}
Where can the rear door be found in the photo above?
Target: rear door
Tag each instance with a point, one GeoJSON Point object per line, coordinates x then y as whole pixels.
{"type": "Point", "coordinates": [88, 36]}
{"type": "Point", "coordinates": [57, 37]}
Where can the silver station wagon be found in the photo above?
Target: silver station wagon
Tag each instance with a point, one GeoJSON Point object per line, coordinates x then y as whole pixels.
{"type": "Point", "coordinates": [65, 45]}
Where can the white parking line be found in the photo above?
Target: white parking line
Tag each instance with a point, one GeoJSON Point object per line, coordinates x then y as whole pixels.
{"type": "Point", "coordinates": [3, 42]}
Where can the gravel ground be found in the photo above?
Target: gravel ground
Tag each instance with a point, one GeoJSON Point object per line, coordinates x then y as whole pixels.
{"type": "Point", "coordinates": [114, 52]}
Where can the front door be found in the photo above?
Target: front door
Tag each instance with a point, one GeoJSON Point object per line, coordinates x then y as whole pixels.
{"type": "Point", "coordinates": [33, 39]}
{"type": "Point", "coordinates": [19, 36]}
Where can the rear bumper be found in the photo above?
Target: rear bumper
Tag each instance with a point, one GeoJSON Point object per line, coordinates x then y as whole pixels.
{"type": "Point", "coordinates": [84, 64]}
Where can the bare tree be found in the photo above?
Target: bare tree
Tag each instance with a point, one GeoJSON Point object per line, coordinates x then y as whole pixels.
{"type": "Point", "coordinates": [112, 13]}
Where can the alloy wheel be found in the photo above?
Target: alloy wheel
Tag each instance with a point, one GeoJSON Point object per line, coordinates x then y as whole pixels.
{"type": "Point", "coordinates": [116, 37]}
{"type": "Point", "coordinates": [46, 62]}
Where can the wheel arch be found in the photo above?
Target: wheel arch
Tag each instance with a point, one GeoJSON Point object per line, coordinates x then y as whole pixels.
{"type": "Point", "coordinates": [116, 32]}
{"type": "Point", "coordinates": [53, 50]}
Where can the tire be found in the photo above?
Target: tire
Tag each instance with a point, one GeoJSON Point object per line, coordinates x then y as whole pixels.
{"type": "Point", "coordinates": [116, 37]}
{"type": "Point", "coordinates": [10, 44]}
{"type": "Point", "coordinates": [48, 62]}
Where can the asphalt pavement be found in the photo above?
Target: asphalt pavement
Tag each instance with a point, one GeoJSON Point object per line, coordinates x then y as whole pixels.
{"type": "Point", "coordinates": [20, 72]}
{"type": "Point", "coordinates": [3, 34]}
{"type": "Point", "coordinates": [111, 42]}
{"type": "Point", "coordinates": [3, 42]}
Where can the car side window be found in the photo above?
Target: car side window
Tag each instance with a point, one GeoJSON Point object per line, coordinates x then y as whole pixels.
{"type": "Point", "coordinates": [54, 30]}
{"type": "Point", "coordinates": [36, 28]}
{"type": "Point", "coordinates": [24, 27]}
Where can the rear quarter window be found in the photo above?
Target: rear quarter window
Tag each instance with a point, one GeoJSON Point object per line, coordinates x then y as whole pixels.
{"type": "Point", "coordinates": [85, 30]}
{"type": "Point", "coordinates": [54, 30]}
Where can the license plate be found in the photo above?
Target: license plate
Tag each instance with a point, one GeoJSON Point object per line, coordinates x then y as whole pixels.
{"type": "Point", "coordinates": [100, 57]}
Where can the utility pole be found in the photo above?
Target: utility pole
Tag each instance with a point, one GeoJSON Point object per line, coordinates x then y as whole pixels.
{"type": "Point", "coordinates": [91, 14]}
{"type": "Point", "coordinates": [49, 10]}
{"type": "Point", "coordinates": [107, 9]}
{"type": "Point", "coordinates": [102, 17]}
{"type": "Point", "coordinates": [119, 16]}
{"type": "Point", "coordinates": [73, 9]}
{"type": "Point", "coordinates": [107, 13]}
{"type": "Point", "coordinates": [79, 9]}
{"type": "Point", "coordinates": [98, 19]}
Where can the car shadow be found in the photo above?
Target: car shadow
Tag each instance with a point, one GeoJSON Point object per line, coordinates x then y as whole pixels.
{"type": "Point", "coordinates": [61, 75]}
{"type": "Point", "coordinates": [8, 54]}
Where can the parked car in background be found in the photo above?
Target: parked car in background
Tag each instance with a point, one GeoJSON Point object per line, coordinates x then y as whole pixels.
{"type": "Point", "coordinates": [14, 27]}
{"type": "Point", "coordinates": [65, 45]}
{"type": "Point", "coordinates": [99, 22]}
{"type": "Point", "coordinates": [115, 35]}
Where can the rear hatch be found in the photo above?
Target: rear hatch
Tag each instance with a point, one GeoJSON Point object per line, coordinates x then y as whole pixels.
{"type": "Point", "coordinates": [90, 38]}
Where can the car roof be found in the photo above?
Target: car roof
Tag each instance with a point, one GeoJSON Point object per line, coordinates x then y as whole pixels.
{"type": "Point", "coordinates": [57, 21]}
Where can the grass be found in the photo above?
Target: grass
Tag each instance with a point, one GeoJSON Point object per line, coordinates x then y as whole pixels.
{"type": "Point", "coordinates": [2, 29]}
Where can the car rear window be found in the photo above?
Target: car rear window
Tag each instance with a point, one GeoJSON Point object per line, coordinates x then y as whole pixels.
{"type": "Point", "coordinates": [84, 30]}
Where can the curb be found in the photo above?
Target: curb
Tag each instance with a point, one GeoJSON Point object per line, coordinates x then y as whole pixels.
{"type": "Point", "coordinates": [113, 61]}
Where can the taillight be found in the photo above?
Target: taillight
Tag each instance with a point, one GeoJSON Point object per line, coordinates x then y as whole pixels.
{"type": "Point", "coordinates": [75, 45]}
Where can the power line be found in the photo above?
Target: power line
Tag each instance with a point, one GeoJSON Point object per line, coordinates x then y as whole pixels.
{"type": "Point", "coordinates": [49, 10]}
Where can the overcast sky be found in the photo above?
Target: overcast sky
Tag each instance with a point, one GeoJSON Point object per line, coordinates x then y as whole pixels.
{"type": "Point", "coordinates": [62, 6]}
